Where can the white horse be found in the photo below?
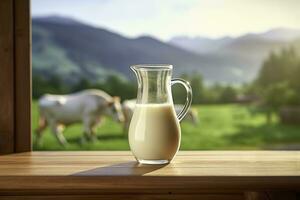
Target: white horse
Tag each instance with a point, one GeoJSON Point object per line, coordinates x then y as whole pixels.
{"type": "Point", "coordinates": [87, 106]}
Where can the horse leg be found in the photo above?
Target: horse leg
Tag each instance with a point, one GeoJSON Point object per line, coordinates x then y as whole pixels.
{"type": "Point", "coordinates": [39, 131]}
{"type": "Point", "coordinates": [58, 133]}
{"type": "Point", "coordinates": [93, 133]}
{"type": "Point", "coordinates": [94, 127]}
{"type": "Point", "coordinates": [87, 126]}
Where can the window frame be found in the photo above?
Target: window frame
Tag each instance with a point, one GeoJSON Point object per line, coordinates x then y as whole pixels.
{"type": "Point", "coordinates": [15, 76]}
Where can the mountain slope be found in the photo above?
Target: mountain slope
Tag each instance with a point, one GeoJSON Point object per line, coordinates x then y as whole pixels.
{"type": "Point", "coordinates": [90, 49]}
{"type": "Point", "coordinates": [204, 45]}
{"type": "Point", "coordinates": [282, 34]}
{"type": "Point", "coordinates": [242, 55]}
{"type": "Point", "coordinates": [201, 45]}
{"type": "Point", "coordinates": [73, 50]}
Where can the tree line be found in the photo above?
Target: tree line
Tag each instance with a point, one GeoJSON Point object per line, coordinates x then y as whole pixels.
{"type": "Point", "coordinates": [278, 82]}
{"type": "Point", "coordinates": [126, 89]}
{"type": "Point", "coordinates": [277, 85]}
{"type": "Point", "coordinates": [113, 85]}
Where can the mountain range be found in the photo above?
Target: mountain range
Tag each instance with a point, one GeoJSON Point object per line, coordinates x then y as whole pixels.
{"type": "Point", "coordinates": [204, 45]}
{"type": "Point", "coordinates": [74, 50]}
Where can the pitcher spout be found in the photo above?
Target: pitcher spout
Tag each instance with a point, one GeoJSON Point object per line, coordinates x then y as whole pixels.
{"type": "Point", "coordinates": [154, 83]}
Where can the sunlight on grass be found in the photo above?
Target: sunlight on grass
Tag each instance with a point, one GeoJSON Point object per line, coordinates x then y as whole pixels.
{"type": "Point", "coordinates": [221, 127]}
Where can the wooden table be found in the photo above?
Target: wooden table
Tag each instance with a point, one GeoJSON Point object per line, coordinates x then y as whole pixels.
{"type": "Point", "coordinates": [116, 175]}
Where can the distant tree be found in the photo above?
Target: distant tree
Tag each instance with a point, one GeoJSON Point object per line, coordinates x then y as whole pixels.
{"type": "Point", "coordinates": [278, 82]}
{"type": "Point", "coordinates": [82, 85]}
{"type": "Point", "coordinates": [114, 85]}
{"type": "Point", "coordinates": [278, 67]}
{"type": "Point", "coordinates": [53, 85]}
{"type": "Point", "coordinates": [39, 86]}
{"type": "Point", "coordinates": [117, 86]}
{"type": "Point", "coordinates": [196, 82]}
{"type": "Point", "coordinates": [228, 95]}
{"type": "Point", "coordinates": [216, 90]}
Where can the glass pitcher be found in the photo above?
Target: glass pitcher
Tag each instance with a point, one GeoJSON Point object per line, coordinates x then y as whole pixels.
{"type": "Point", "coordinates": [154, 131]}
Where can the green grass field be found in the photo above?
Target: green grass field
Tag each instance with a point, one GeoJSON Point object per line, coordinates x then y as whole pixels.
{"type": "Point", "coordinates": [221, 127]}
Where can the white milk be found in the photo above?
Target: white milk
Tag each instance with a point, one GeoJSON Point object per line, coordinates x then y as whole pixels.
{"type": "Point", "coordinates": [154, 132]}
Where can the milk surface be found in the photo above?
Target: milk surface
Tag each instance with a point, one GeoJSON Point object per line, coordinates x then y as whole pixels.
{"type": "Point", "coordinates": [154, 132]}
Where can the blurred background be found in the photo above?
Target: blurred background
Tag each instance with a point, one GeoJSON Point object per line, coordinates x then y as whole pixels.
{"type": "Point", "coordinates": [241, 57]}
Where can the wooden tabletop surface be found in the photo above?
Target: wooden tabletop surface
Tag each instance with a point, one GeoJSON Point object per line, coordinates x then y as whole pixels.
{"type": "Point", "coordinates": [118, 170]}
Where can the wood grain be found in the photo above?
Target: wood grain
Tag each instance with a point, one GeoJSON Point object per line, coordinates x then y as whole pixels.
{"type": "Point", "coordinates": [15, 76]}
{"type": "Point", "coordinates": [109, 172]}
{"type": "Point", "coordinates": [22, 38]}
{"type": "Point", "coordinates": [128, 196]}
{"type": "Point", "coordinates": [6, 77]}
{"type": "Point", "coordinates": [272, 195]}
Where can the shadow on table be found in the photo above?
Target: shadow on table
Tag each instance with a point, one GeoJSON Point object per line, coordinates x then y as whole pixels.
{"type": "Point", "coordinates": [131, 168]}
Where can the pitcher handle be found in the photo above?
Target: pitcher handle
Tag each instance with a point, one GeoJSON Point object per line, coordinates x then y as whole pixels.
{"type": "Point", "coordinates": [189, 95]}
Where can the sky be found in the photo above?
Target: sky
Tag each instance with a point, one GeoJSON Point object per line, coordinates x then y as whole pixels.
{"type": "Point", "coordinates": [165, 19]}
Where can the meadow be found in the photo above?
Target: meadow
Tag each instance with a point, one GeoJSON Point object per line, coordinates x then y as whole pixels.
{"type": "Point", "coordinates": [220, 127]}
